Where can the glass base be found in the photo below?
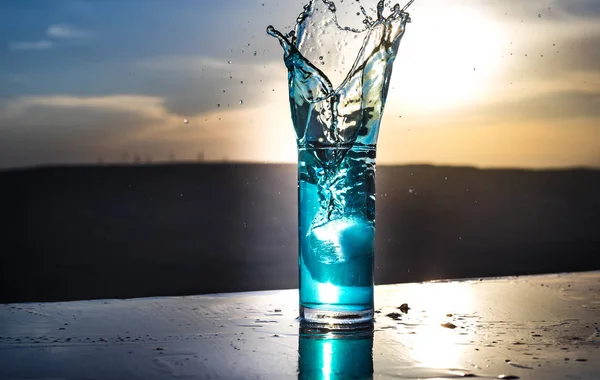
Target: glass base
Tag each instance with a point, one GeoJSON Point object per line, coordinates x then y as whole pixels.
{"type": "Point", "coordinates": [334, 319]}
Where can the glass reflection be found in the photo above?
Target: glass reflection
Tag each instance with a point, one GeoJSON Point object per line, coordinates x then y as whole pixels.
{"type": "Point", "coordinates": [327, 354]}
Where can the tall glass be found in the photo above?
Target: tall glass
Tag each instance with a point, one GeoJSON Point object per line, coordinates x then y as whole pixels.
{"type": "Point", "coordinates": [336, 133]}
{"type": "Point", "coordinates": [336, 235]}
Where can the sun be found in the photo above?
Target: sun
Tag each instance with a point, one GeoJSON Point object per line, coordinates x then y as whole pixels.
{"type": "Point", "coordinates": [447, 58]}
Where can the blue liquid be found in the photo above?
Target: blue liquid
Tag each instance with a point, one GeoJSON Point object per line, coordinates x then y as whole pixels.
{"type": "Point", "coordinates": [336, 227]}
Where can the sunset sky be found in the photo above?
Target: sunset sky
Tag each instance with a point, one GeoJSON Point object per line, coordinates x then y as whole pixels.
{"type": "Point", "coordinates": [499, 83]}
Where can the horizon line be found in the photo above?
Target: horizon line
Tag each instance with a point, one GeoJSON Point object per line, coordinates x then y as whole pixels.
{"type": "Point", "coordinates": [252, 162]}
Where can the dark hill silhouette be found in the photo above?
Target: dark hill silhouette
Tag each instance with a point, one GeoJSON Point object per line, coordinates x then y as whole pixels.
{"type": "Point", "coordinates": [155, 230]}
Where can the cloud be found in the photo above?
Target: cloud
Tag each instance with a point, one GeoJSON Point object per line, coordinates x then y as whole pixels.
{"type": "Point", "coordinates": [195, 84]}
{"type": "Point", "coordinates": [64, 128]}
{"type": "Point", "coordinates": [113, 102]}
{"type": "Point", "coordinates": [31, 45]}
{"type": "Point", "coordinates": [527, 11]}
{"type": "Point", "coordinates": [551, 106]}
{"type": "Point", "coordinates": [246, 65]}
{"type": "Point", "coordinates": [583, 8]}
{"type": "Point", "coordinates": [87, 120]}
{"type": "Point", "coordinates": [183, 62]}
{"type": "Point", "coordinates": [66, 31]}
{"type": "Point", "coordinates": [72, 112]}
{"type": "Point", "coordinates": [550, 143]}
{"type": "Point", "coordinates": [56, 31]}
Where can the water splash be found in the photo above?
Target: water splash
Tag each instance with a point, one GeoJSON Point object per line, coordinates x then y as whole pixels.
{"type": "Point", "coordinates": [350, 113]}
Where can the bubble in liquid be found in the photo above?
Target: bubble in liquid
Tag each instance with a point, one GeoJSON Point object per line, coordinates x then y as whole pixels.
{"type": "Point", "coordinates": [229, 62]}
{"type": "Point", "coordinates": [218, 105]}
{"type": "Point", "coordinates": [186, 121]}
{"type": "Point", "coordinates": [241, 101]}
{"type": "Point", "coordinates": [539, 15]}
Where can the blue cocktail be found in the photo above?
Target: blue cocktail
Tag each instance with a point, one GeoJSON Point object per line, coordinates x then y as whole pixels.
{"type": "Point", "coordinates": [336, 233]}
{"type": "Point", "coordinates": [336, 131]}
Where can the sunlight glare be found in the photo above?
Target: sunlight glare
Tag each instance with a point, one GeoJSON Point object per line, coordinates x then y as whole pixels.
{"type": "Point", "coordinates": [327, 358]}
{"type": "Point", "coordinates": [328, 292]}
{"type": "Point", "coordinates": [449, 58]}
{"type": "Point", "coordinates": [435, 346]}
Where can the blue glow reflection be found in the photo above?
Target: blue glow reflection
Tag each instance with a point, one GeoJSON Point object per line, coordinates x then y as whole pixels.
{"type": "Point", "coordinates": [335, 355]}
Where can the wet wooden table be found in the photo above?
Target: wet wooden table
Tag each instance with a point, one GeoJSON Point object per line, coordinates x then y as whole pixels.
{"type": "Point", "coordinates": [539, 327]}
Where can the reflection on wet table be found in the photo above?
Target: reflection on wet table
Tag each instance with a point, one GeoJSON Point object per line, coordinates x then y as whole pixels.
{"type": "Point", "coordinates": [540, 327]}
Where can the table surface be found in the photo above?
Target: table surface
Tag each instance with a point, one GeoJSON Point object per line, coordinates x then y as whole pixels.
{"type": "Point", "coordinates": [536, 327]}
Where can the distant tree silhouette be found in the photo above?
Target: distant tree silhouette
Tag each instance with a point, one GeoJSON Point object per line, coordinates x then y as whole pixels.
{"type": "Point", "coordinates": [137, 159]}
{"type": "Point", "coordinates": [200, 156]}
